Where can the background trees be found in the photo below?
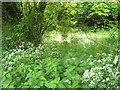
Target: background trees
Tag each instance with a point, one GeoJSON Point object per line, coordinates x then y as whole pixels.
{"type": "Point", "coordinates": [32, 19]}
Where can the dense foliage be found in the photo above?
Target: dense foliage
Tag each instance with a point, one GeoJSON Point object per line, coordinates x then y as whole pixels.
{"type": "Point", "coordinates": [53, 67]}
{"type": "Point", "coordinates": [60, 45]}
{"type": "Point", "coordinates": [32, 20]}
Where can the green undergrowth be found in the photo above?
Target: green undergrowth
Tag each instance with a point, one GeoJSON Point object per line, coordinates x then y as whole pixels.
{"type": "Point", "coordinates": [59, 65]}
{"type": "Point", "coordinates": [75, 62]}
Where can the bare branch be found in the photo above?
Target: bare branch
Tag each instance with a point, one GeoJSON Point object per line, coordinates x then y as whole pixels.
{"type": "Point", "coordinates": [101, 43]}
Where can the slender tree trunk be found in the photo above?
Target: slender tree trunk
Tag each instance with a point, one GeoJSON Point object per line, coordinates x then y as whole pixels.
{"type": "Point", "coordinates": [40, 22]}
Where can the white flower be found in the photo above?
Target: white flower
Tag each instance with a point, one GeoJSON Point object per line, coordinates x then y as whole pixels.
{"type": "Point", "coordinates": [118, 87]}
{"type": "Point", "coordinates": [103, 80]}
{"type": "Point", "coordinates": [22, 64]}
{"type": "Point", "coordinates": [91, 56]}
{"type": "Point", "coordinates": [109, 65]}
{"type": "Point", "coordinates": [99, 73]}
{"type": "Point", "coordinates": [35, 87]}
{"type": "Point", "coordinates": [107, 79]}
{"type": "Point", "coordinates": [99, 61]}
{"type": "Point", "coordinates": [94, 60]}
{"type": "Point", "coordinates": [69, 41]}
{"type": "Point", "coordinates": [88, 59]}
{"type": "Point", "coordinates": [104, 54]}
{"type": "Point", "coordinates": [14, 50]}
{"type": "Point", "coordinates": [10, 62]}
{"type": "Point", "coordinates": [12, 53]}
{"type": "Point", "coordinates": [98, 80]}
{"type": "Point", "coordinates": [92, 74]}
{"type": "Point", "coordinates": [108, 58]}
{"type": "Point", "coordinates": [109, 54]}
{"type": "Point", "coordinates": [68, 81]}
{"type": "Point", "coordinates": [115, 60]}
{"type": "Point", "coordinates": [101, 76]}
{"type": "Point", "coordinates": [109, 69]}
{"type": "Point", "coordinates": [86, 74]}
{"type": "Point", "coordinates": [14, 60]}
{"type": "Point", "coordinates": [98, 53]}
{"type": "Point", "coordinates": [9, 68]}
{"type": "Point", "coordinates": [92, 83]}
{"type": "Point", "coordinates": [73, 58]}
{"type": "Point", "coordinates": [81, 61]}
{"type": "Point", "coordinates": [91, 63]}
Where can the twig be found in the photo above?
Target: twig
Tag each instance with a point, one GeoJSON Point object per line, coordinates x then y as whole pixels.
{"type": "Point", "coordinates": [101, 43]}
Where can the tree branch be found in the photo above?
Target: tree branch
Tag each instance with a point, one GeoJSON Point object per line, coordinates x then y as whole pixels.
{"type": "Point", "coordinates": [101, 43]}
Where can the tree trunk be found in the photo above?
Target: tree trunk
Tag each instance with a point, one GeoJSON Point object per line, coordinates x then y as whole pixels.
{"type": "Point", "coordinates": [36, 28]}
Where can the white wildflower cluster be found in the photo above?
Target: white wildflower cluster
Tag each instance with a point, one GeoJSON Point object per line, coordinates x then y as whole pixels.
{"type": "Point", "coordinates": [68, 81]}
{"type": "Point", "coordinates": [104, 60]}
{"type": "Point", "coordinates": [86, 74]}
{"type": "Point", "coordinates": [100, 75]}
{"type": "Point", "coordinates": [88, 59]}
{"type": "Point", "coordinates": [73, 58]}
{"type": "Point", "coordinates": [115, 60]}
{"type": "Point", "coordinates": [22, 65]}
{"type": "Point", "coordinates": [81, 61]}
{"type": "Point", "coordinates": [103, 73]}
{"type": "Point", "coordinates": [13, 56]}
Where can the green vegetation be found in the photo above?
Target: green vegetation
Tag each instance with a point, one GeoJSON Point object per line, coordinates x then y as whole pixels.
{"type": "Point", "coordinates": [60, 45]}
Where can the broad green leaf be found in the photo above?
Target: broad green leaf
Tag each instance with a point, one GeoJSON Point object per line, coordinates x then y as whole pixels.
{"type": "Point", "coordinates": [50, 85]}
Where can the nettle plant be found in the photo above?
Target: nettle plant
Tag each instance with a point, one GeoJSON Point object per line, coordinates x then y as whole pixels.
{"type": "Point", "coordinates": [37, 68]}
{"type": "Point", "coordinates": [43, 67]}
{"type": "Point", "coordinates": [103, 72]}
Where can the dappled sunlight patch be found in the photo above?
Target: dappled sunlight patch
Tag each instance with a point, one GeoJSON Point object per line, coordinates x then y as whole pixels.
{"type": "Point", "coordinates": [81, 38]}
{"type": "Point", "coordinates": [58, 38]}
{"type": "Point", "coordinates": [87, 41]}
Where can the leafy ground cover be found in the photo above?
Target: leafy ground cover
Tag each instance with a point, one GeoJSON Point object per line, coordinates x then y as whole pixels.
{"type": "Point", "coordinates": [60, 44]}
{"type": "Point", "coordinates": [63, 64]}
